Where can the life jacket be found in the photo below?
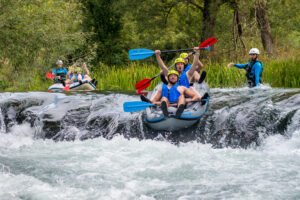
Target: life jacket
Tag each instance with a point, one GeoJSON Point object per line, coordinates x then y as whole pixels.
{"type": "Point", "coordinates": [183, 80]}
{"type": "Point", "coordinates": [187, 67]}
{"type": "Point", "coordinates": [60, 72]}
{"type": "Point", "coordinates": [76, 78]}
{"type": "Point", "coordinates": [250, 75]}
{"type": "Point", "coordinates": [171, 94]}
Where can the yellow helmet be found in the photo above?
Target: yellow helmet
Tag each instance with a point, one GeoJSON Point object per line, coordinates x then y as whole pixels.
{"type": "Point", "coordinates": [184, 55]}
{"type": "Point", "coordinates": [179, 60]}
{"type": "Point", "coordinates": [78, 69]}
{"type": "Point", "coordinates": [173, 72]}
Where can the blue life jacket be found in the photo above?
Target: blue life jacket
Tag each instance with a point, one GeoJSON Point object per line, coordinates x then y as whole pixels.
{"type": "Point", "coordinates": [60, 72]}
{"type": "Point", "coordinates": [187, 67]}
{"type": "Point", "coordinates": [76, 77]}
{"type": "Point", "coordinates": [183, 80]}
{"type": "Point", "coordinates": [250, 73]}
{"type": "Point", "coordinates": [171, 94]}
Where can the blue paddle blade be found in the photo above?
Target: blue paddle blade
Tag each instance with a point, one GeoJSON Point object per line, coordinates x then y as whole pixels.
{"type": "Point", "coordinates": [134, 106]}
{"type": "Point", "coordinates": [136, 54]}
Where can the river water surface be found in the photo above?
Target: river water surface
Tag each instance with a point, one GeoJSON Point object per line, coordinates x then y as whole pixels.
{"type": "Point", "coordinates": [83, 146]}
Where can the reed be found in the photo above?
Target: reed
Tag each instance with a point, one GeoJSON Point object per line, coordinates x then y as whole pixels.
{"type": "Point", "coordinates": [282, 73]}
{"type": "Point", "coordinates": [277, 73]}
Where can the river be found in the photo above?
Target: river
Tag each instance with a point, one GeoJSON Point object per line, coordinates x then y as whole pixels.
{"type": "Point", "coordinates": [83, 146]}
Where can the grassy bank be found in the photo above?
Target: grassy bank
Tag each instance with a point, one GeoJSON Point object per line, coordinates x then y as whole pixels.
{"type": "Point", "coordinates": [276, 73]}
{"type": "Point", "coordinates": [283, 73]}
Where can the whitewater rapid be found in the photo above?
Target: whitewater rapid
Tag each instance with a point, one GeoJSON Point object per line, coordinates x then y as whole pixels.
{"type": "Point", "coordinates": [83, 146]}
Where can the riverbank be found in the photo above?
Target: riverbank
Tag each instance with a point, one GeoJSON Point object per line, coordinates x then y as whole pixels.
{"type": "Point", "coordinates": [280, 73]}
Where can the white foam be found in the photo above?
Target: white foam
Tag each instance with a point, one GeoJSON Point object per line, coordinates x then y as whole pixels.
{"type": "Point", "coordinates": [19, 136]}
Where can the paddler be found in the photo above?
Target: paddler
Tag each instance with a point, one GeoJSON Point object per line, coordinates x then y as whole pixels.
{"type": "Point", "coordinates": [77, 76]}
{"type": "Point", "coordinates": [173, 95]}
{"type": "Point", "coordinates": [59, 73]}
{"type": "Point", "coordinates": [254, 68]}
{"type": "Point", "coordinates": [87, 75]}
{"type": "Point", "coordinates": [187, 66]}
{"type": "Point", "coordinates": [185, 76]}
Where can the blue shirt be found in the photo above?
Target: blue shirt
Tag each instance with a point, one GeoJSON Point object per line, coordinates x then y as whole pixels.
{"type": "Point", "coordinates": [59, 71]}
{"type": "Point", "coordinates": [256, 70]}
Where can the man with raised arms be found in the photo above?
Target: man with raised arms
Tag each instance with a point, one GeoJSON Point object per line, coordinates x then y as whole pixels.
{"type": "Point", "coordinates": [173, 93]}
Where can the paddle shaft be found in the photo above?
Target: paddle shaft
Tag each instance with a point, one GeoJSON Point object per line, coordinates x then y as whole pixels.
{"type": "Point", "coordinates": [134, 106]}
{"type": "Point", "coordinates": [178, 50]}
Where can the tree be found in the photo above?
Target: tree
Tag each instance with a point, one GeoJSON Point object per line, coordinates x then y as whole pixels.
{"type": "Point", "coordinates": [102, 19]}
{"type": "Point", "coordinates": [264, 26]}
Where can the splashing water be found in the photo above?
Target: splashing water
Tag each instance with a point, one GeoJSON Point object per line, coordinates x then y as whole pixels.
{"type": "Point", "coordinates": [246, 147]}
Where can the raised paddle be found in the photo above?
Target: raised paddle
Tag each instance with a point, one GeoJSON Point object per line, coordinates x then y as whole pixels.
{"type": "Point", "coordinates": [143, 84]}
{"type": "Point", "coordinates": [49, 75]}
{"type": "Point", "coordinates": [136, 54]}
{"type": "Point", "coordinates": [133, 106]}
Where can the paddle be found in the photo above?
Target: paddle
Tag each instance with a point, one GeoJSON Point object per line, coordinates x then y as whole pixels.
{"type": "Point", "coordinates": [143, 84]}
{"type": "Point", "coordinates": [67, 88]}
{"type": "Point", "coordinates": [133, 106]}
{"type": "Point", "coordinates": [49, 75]}
{"type": "Point", "coordinates": [136, 54]}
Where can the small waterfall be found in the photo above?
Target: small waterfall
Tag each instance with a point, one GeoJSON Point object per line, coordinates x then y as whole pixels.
{"type": "Point", "coordinates": [240, 117]}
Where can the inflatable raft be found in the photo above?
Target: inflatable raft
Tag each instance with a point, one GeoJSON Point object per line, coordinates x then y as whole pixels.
{"type": "Point", "coordinates": [155, 119]}
{"type": "Point", "coordinates": [76, 86]}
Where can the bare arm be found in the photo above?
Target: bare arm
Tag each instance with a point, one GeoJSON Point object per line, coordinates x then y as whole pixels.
{"type": "Point", "coordinates": [200, 66]}
{"type": "Point", "coordinates": [161, 63]}
{"type": "Point", "coordinates": [86, 69]}
{"type": "Point", "coordinates": [191, 71]}
{"type": "Point", "coordinates": [68, 74]}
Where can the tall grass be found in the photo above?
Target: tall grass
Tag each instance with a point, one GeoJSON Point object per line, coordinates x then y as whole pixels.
{"type": "Point", "coordinates": [282, 73]}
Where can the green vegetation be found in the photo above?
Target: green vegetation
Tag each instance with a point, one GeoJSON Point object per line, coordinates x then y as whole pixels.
{"type": "Point", "coordinates": [283, 73]}
{"type": "Point", "coordinates": [276, 73]}
{"type": "Point", "coordinates": [36, 33]}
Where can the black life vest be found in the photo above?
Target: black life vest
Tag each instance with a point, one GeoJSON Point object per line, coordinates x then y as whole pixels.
{"type": "Point", "coordinates": [250, 76]}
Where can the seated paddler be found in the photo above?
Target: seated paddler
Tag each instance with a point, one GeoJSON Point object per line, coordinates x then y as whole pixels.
{"type": "Point", "coordinates": [186, 77]}
{"type": "Point", "coordinates": [172, 94]}
{"type": "Point", "coordinates": [76, 75]}
{"type": "Point", "coordinates": [87, 75]}
{"type": "Point", "coordinates": [59, 73]}
{"type": "Point", "coordinates": [187, 66]}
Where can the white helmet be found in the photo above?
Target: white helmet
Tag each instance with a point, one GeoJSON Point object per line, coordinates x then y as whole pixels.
{"type": "Point", "coordinates": [59, 62]}
{"type": "Point", "coordinates": [254, 51]}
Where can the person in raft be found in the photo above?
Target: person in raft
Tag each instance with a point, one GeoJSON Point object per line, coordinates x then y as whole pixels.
{"type": "Point", "coordinates": [173, 95]}
{"type": "Point", "coordinates": [187, 66]}
{"type": "Point", "coordinates": [185, 76]}
{"type": "Point", "coordinates": [75, 75]}
{"type": "Point", "coordinates": [177, 88]}
{"type": "Point", "coordinates": [59, 73]}
{"type": "Point", "coordinates": [253, 69]}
